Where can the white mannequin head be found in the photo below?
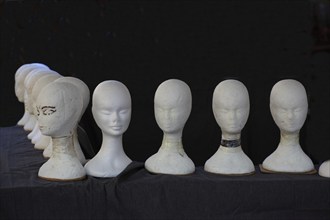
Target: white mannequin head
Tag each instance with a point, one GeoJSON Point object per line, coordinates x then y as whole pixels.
{"type": "Point", "coordinates": [231, 106]}
{"type": "Point", "coordinates": [172, 105]}
{"type": "Point", "coordinates": [29, 83]}
{"type": "Point", "coordinates": [20, 75]}
{"type": "Point", "coordinates": [59, 106]}
{"type": "Point", "coordinates": [288, 105]}
{"type": "Point", "coordinates": [112, 107]}
{"type": "Point", "coordinates": [83, 88]}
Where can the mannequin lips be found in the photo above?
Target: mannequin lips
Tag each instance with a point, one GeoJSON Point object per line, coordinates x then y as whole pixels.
{"type": "Point", "coordinates": [167, 128]}
{"type": "Point", "coordinates": [291, 126]}
{"type": "Point", "coordinates": [167, 125]}
{"type": "Point", "coordinates": [232, 126]}
{"type": "Point", "coordinates": [116, 127]}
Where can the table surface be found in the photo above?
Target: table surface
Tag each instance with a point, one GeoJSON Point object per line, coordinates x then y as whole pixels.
{"type": "Point", "coordinates": [138, 194]}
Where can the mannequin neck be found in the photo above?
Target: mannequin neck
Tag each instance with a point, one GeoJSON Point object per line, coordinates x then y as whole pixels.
{"type": "Point", "coordinates": [289, 139]}
{"type": "Point", "coordinates": [62, 145]}
{"type": "Point", "coordinates": [112, 143]}
{"type": "Point", "coordinates": [230, 137]}
{"type": "Point", "coordinates": [75, 137]}
{"type": "Point", "coordinates": [172, 141]}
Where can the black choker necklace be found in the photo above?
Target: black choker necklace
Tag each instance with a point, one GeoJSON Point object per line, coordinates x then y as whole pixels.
{"type": "Point", "coordinates": [231, 143]}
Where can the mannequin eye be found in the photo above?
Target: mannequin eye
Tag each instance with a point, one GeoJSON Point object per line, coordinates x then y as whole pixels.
{"type": "Point", "coordinates": [281, 111]}
{"type": "Point", "coordinates": [124, 111]}
{"type": "Point", "coordinates": [159, 109]}
{"type": "Point", "coordinates": [239, 111]}
{"type": "Point", "coordinates": [223, 111]}
{"type": "Point", "coordinates": [297, 110]}
{"type": "Point", "coordinates": [105, 112]}
{"type": "Point", "coordinates": [48, 110]}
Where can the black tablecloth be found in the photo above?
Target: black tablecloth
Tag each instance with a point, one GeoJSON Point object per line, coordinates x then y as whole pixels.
{"type": "Point", "coordinates": [137, 194]}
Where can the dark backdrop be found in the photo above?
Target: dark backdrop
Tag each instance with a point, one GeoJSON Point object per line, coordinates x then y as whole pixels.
{"type": "Point", "coordinates": [202, 43]}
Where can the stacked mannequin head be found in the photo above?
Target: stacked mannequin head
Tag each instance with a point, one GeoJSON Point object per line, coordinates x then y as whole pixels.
{"type": "Point", "coordinates": [20, 75]}
{"type": "Point", "coordinates": [173, 103]}
{"type": "Point", "coordinates": [29, 83]}
{"type": "Point", "coordinates": [112, 107]}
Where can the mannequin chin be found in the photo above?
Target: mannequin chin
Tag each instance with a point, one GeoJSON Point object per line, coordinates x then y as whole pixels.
{"type": "Point", "coordinates": [112, 113]}
{"type": "Point", "coordinates": [59, 106]}
{"type": "Point", "coordinates": [172, 105]}
{"type": "Point", "coordinates": [231, 110]}
{"type": "Point", "coordinates": [288, 106]}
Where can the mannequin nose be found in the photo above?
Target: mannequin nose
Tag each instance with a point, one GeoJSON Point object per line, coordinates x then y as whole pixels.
{"type": "Point", "coordinates": [290, 114]}
{"type": "Point", "coordinates": [114, 117]}
{"type": "Point", "coordinates": [232, 115]}
{"type": "Point", "coordinates": [167, 115]}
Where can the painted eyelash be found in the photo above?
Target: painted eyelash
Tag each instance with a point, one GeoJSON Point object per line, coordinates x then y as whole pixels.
{"type": "Point", "coordinates": [51, 107]}
{"type": "Point", "coordinates": [51, 111]}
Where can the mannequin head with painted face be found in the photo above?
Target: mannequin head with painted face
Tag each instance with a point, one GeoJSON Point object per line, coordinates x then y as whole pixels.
{"type": "Point", "coordinates": [84, 92]}
{"type": "Point", "coordinates": [172, 105]}
{"type": "Point", "coordinates": [231, 108]}
{"type": "Point", "coordinates": [288, 105]}
{"type": "Point", "coordinates": [112, 107]}
{"type": "Point", "coordinates": [59, 106]}
{"type": "Point", "coordinates": [36, 137]}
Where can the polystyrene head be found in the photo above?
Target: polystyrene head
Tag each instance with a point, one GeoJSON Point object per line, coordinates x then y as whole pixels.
{"type": "Point", "coordinates": [172, 105]}
{"type": "Point", "coordinates": [20, 76]}
{"type": "Point", "coordinates": [289, 105]}
{"type": "Point", "coordinates": [112, 107]}
{"type": "Point", "coordinates": [231, 106]}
